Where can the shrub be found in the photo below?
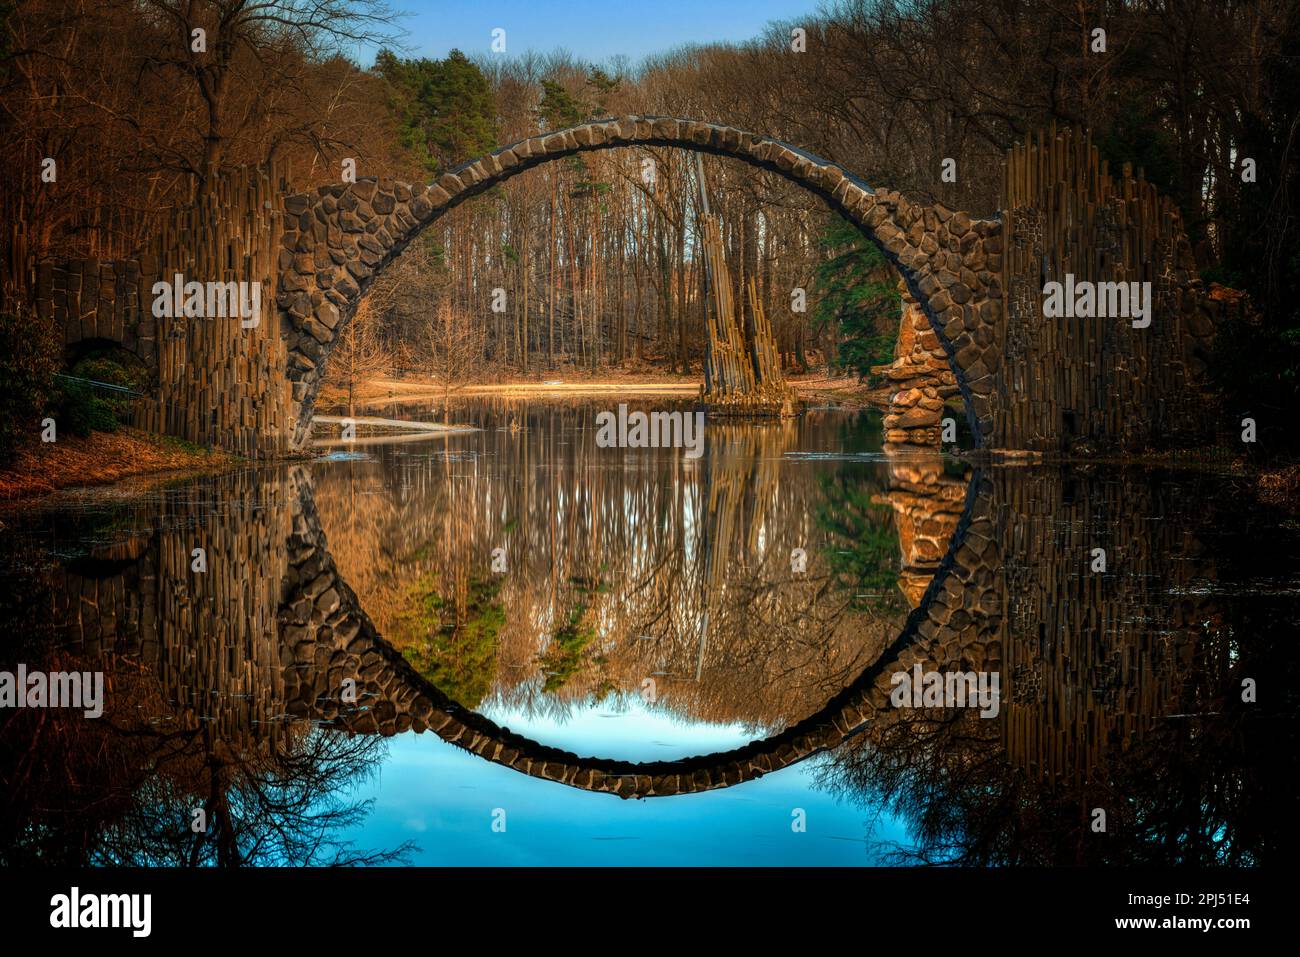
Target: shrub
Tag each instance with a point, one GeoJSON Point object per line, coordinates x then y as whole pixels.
{"type": "Point", "coordinates": [105, 367]}
{"type": "Point", "coordinates": [79, 410]}
{"type": "Point", "coordinates": [29, 352]}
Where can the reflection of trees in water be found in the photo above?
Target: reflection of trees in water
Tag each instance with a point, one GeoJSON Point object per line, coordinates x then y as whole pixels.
{"type": "Point", "coordinates": [452, 641]}
{"type": "Point", "coordinates": [1133, 704]}
{"type": "Point", "coordinates": [281, 807]}
{"type": "Point", "coordinates": [1120, 691]}
{"type": "Point", "coordinates": [122, 791]}
{"type": "Point", "coordinates": [623, 565]}
{"type": "Point", "coordinates": [182, 727]}
{"type": "Point", "coordinates": [862, 549]}
{"type": "Point", "coordinates": [1191, 793]}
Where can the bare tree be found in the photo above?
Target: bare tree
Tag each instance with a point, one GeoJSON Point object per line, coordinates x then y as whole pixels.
{"type": "Point", "coordinates": [360, 354]}
{"type": "Point", "coordinates": [214, 38]}
{"type": "Point", "coordinates": [456, 349]}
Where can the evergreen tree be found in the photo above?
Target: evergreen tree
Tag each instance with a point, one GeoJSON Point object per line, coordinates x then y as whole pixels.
{"type": "Point", "coordinates": [856, 297]}
{"type": "Point", "coordinates": [444, 109]}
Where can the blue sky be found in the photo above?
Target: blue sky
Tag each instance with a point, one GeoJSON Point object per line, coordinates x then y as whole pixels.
{"type": "Point", "coordinates": [592, 30]}
{"type": "Point", "coordinates": [443, 799]}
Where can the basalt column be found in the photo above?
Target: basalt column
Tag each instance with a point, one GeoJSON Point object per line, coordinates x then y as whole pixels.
{"type": "Point", "coordinates": [222, 381]}
{"type": "Point", "coordinates": [1097, 383]}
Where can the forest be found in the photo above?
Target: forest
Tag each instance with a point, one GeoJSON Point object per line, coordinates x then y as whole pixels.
{"type": "Point", "coordinates": [112, 115]}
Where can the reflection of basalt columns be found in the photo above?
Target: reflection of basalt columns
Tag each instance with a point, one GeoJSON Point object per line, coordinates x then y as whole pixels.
{"type": "Point", "coordinates": [208, 637]}
{"type": "Point", "coordinates": [1094, 660]}
{"type": "Point", "coordinates": [1105, 656]}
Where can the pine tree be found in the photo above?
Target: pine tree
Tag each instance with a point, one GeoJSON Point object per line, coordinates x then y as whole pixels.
{"type": "Point", "coordinates": [856, 297]}
{"type": "Point", "coordinates": [445, 110]}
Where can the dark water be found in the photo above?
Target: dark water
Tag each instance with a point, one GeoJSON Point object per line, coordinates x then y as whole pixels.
{"type": "Point", "coordinates": [613, 606]}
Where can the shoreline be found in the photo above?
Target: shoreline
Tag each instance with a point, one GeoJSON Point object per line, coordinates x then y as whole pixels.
{"type": "Point", "coordinates": [383, 391]}
{"type": "Point", "coordinates": [40, 471]}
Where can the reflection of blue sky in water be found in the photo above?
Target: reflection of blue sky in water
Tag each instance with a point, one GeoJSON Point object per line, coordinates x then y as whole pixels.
{"type": "Point", "coordinates": [442, 798]}
{"type": "Point", "coordinates": [626, 729]}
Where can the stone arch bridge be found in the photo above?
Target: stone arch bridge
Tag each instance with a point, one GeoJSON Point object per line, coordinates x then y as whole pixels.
{"type": "Point", "coordinates": [339, 239]}
{"type": "Point", "coordinates": [973, 324]}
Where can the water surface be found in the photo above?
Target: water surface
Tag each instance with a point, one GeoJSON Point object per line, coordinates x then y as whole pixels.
{"type": "Point", "coordinates": [637, 605]}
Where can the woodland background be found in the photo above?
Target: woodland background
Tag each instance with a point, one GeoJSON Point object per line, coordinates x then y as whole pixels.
{"type": "Point", "coordinates": [600, 266]}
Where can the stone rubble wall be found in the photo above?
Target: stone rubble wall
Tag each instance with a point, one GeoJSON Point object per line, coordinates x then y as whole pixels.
{"type": "Point", "coordinates": [921, 378]}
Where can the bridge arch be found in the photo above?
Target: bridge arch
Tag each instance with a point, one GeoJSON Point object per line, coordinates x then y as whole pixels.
{"type": "Point", "coordinates": [339, 239]}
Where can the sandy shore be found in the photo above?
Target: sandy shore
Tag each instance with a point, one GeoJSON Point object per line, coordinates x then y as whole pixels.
{"type": "Point", "coordinates": [382, 392]}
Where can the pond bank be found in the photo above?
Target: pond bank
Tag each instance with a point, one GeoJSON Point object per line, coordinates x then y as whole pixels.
{"type": "Point", "coordinates": [100, 458]}
{"type": "Point", "coordinates": [39, 469]}
{"type": "Point", "coordinates": [380, 392]}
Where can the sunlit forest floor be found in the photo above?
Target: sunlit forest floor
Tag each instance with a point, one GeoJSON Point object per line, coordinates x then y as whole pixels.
{"type": "Point", "coordinates": [382, 391]}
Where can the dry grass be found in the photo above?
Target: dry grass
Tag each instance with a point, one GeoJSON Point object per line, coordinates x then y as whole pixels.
{"type": "Point", "coordinates": [102, 457]}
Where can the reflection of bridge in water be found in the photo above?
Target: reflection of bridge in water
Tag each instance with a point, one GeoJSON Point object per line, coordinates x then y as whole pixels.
{"type": "Point", "coordinates": [1089, 662]}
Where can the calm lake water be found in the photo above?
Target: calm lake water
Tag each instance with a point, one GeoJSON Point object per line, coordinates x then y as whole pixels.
{"type": "Point", "coordinates": [581, 609]}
